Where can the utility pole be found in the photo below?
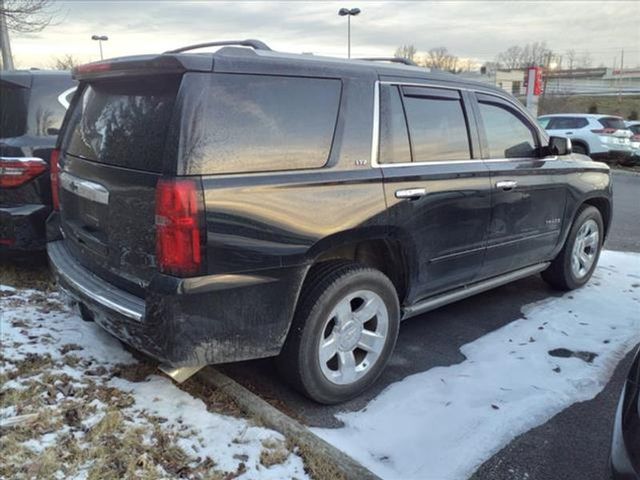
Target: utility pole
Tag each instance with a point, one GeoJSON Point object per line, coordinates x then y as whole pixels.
{"type": "Point", "coordinates": [620, 76]}
{"type": "Point", "coordinates": [5, 44]}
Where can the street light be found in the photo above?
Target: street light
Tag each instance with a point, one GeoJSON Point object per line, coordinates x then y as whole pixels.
{"type": "Point", "coordinates": [100, 39]}
{"type": "Point", "coordinates": [346, 12]}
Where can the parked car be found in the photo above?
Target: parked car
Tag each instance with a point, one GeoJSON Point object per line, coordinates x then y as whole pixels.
{"type": "Point", "coordinates": [634, 126]}
{"type": "Point", "coordinates": [625, 443]}
{"type": "Point", "coordinates": [33, 105]}
{"type": "Point", "coordinates": [602, 137]}
{"type": "Point", "coordinates": [247, 203]}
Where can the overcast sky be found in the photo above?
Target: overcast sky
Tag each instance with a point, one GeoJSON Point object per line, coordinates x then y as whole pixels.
{"type": "Point", "coordinates": [472, 29]}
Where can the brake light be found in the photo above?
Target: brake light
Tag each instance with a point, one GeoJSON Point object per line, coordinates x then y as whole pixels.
{"type": "Point", "coordinates": [604, 131]}
{"type": "Point", "coordinates": [54, 169]}
{"type": "Point", "coordinates": [16, 171]}
{"type": "Point", "coordinates": [95, 67]}
{"type": "Point", "coordinates": [178, 226]}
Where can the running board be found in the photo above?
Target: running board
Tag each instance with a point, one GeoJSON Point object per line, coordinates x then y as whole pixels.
{"type": "Point", "coordinates": [180, 374]}
{"type": "Point", "coordinates": [445, 298]}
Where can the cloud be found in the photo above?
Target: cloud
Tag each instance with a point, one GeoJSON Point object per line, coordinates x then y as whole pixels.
{"type": "Point", "coordinates": [469, 29]}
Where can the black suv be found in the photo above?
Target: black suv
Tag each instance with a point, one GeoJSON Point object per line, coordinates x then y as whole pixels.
{"type": "Point", "coordinates": [33, 105]}
{"type": "Point", "coordinates": [245, 203]}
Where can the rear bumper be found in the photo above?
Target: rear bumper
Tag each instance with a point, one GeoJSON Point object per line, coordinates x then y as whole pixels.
{"type": "Point", "coordinates": [612, 154]}
{"type": "Point", "coordinates": [188, 322]}
{"type": "Point", "coordinates": [22, 228]}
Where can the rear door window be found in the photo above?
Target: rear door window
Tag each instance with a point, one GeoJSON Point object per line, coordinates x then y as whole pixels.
{"type": "Point", "coordinates": [250, 123]}
{"type": "Point", "coordinates": [565, 123]}
{"type": "Point", "coordinates": [437, 124]}
{"type": "Point", "coordinates": [508, 134]}
{"type": "Point", "coordinates": [123, 123]}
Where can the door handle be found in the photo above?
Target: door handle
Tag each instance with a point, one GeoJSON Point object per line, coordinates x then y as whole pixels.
{"type": "Point", "coordinates": [507, 184]}
{"type": "Point", "coordinates": [411, 193]}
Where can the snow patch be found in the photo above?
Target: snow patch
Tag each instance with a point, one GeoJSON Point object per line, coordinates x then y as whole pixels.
{"type": "Point", "coordinates": [443, 423]}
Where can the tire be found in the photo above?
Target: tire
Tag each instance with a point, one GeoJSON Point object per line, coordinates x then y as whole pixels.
{"type": "Point", "coordinates": [579, 148]}
{"type": "Point", "coordinates": [563, 273]}
{"type": "Point", "coordinates": [334, 294]}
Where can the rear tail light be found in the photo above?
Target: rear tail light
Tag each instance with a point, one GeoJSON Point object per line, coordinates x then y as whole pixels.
{"type": "Point", "coordinates": [604, 131]}
{"type": "Point", "coordinates": [179, 226]}
{"type": "Point", "coordinates": [16, 171]}
{"type": "Point", "coordinates": [54, 169]}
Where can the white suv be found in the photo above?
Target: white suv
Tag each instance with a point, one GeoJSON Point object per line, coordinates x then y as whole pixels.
{"type": "Point", "coordinates": [602, 137]}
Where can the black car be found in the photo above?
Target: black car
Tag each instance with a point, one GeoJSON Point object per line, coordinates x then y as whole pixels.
{"type": "Point", "coordinates": [33, 105]}
{"type": "Point", "coordinates": [246, 203]}
{"type": "Point", "coordinates": [625, 444]}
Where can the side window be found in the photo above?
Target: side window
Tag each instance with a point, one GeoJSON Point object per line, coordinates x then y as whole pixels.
{"type": "Point", "coordinates": [437, 125]}
{"type": "Point", "coordinates": [564, 123]}
{"type": "Point", "coordinates": [507, 134]}
{"type": "Point", "coordinates": [394, 138]}
{"type": "Point", "coordinates": [251, 123]}
{"type": "Point", "coordinates": [544, 122]}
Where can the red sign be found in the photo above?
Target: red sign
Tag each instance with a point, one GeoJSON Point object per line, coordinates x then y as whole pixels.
{"type": "Point", "coordinates": [538, 85]}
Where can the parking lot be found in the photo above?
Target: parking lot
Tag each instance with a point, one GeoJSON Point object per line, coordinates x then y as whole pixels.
{"type": "Point", "coordinates": [574, 444]}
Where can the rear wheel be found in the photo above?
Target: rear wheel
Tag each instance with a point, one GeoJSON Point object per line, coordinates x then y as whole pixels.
{"type": "Point", "coordinates": [577, 260]}
{"type": "Point", "coordinates": [343, 332]}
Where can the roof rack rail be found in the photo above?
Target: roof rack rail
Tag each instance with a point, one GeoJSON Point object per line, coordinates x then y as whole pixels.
{"type": "Point", "coordinates": [255, 44]}
{"type": "Point", "coordinates": [402, 60]}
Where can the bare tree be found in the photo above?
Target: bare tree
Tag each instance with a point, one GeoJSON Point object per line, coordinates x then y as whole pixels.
{"type": "Point", "coordinates": [26, 15]}
{"type": "Point", "coordinates": [22, 16]}
{"type": "Point", "coordinates": [66, 62]}
{"type": "Point", "coordinates": [406, 51]}
{"type": "Point", "coordinates": [440, 59]}
{"type": "Point", "coordinates": [535, 53]}
{"type": "Point", "coordinates": [511, 57]}
{"type": "Point", "coordinates": [585, 61]}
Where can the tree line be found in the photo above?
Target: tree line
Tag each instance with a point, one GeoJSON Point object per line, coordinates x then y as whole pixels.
{"type": "Point", "coordinates": [514, 57]}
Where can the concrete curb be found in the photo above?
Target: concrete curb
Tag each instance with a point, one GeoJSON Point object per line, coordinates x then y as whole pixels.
{"type": "Point", "coordinates": [275, 419]}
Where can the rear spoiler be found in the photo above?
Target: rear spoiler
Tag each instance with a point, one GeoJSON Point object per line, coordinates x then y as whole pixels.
{"type": "Point", "coordinates": [143, 65]}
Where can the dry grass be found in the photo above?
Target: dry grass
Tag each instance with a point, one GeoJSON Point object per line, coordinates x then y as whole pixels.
{"type": "Point", "coordinates": [25, 275]}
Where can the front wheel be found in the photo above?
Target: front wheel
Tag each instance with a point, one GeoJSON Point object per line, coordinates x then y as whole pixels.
{"type": "Point", "coordinates": [343, 332]}
{"type": "Point", "coordinates": [577, 260]}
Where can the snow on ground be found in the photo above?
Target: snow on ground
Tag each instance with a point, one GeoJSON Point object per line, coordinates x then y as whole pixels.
{"type": "Point", "coordinates": [101, 414]}
{"type": "Point", "coordinates": [443, 423]}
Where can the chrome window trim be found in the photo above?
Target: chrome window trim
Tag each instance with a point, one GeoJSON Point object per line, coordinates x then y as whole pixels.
{"type": "Point", "coordinates": [375, 137]}
{"type": "Point", "coordinates": [62, 98]}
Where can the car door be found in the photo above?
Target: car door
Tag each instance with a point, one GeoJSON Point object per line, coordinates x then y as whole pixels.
{"type": "Point", "coordinates": [436, 186]}
{"type": "Point", "coordinates": [528, 193]}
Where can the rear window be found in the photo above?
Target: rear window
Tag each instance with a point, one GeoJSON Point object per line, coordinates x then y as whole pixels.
{"type": "Point", "coordinates": [13, 114]}
{"type": "Point", "coordinates": [123, 123]}
{"type": "Point", "coordinates": [249, 123]}
{"type": "Point", "coordinates": [563, 123]}
{"type": "Point", "coordinates": [612, 122]}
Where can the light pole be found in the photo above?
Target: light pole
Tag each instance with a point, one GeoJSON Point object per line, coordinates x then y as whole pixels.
{"type": "Point", "coordinates": [100, 39]}
{"type": "Point", "coordinates": [346, 12]}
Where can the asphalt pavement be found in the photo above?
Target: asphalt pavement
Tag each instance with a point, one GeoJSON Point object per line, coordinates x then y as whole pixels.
{"type": "Point", "coordinates": [573, 445]}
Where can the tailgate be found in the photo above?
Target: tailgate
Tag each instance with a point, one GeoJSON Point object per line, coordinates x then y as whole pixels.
{"type": "Point", "coordinates": [113, 152]}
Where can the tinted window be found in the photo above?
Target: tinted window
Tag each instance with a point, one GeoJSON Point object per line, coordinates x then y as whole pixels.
{"type": "Point", "coordinates": [46, 111]}
{"type": "Point", "coordinates": [635, 129]}
{"type": "Point", "coordinates": [507, 135]}
{"type": "Point", "coordinates": [612, 122]}
{"type": "Point", "coordinates": [13, 113]}
{"type": "Point", "coordinates": [123, 123]}
{"type": "Point", "coordinates": [250, 123]}
{"type": "Point", "coordinates": [564, 123]}
{"type": "Point", "coordinates": [394, 139]}
{"type": "Point", "coordinates": [437, 128]}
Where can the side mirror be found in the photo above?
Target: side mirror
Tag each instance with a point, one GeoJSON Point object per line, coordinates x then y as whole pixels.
{"type": "Point", "coordinates": [559, 146]}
